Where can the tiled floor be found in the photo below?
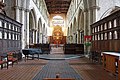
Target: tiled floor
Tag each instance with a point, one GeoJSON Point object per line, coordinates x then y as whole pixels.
{"type": "Point", "coordinates": [29, 69]}
{"type": "Point", "coordinates": [60, 67]}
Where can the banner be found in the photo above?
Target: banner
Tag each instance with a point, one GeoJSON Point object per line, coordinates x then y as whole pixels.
{"type": "Point", "coordinates": [87, 40]}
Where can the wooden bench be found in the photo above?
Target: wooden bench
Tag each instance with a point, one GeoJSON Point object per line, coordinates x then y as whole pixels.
{"type": "Point", "coordinates": [58, 79]}
{"type": "Point", "coordinates": [3, 60]}
{"type": "Point", "coordinates": [31, 51]}
{"type": "Point", "coordinates": [11, 58]}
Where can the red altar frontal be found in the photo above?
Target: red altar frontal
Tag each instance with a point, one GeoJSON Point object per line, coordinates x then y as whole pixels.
{"type": "Point", "coordinates": [60, 41]}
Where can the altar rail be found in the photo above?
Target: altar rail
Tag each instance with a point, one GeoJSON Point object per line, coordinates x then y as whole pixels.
{"type": "Point", "coordinates": [10, 34]}
{"type": "Point", "coordinates": [106, 33]}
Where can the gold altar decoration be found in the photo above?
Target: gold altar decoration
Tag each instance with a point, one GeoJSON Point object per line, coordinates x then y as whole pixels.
{"type": "Point", "coordinates": [57, 34]}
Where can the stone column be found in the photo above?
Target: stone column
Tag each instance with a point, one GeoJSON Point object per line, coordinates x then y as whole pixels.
{"type": "Point", "coordinates": [40, 38]}
{"type": "Point", "coordinates": [86, 27]}
{"type": "Point", "coordinates": [43, 38]}
{"type": "Point", "coordinates": [17, 13]}
{"type": "Point", "coordinates": [33, 33]}
{"type": "Point", "coordinates": [27, 26]}
{"type": "Point", "coordinates": [17, 8]}
{"type": "Point", "coordinates": [71, 38]}
{"type": "Point", "coordinates": [23, 27]}
{"type": "Point", "coordinates": [78, 36]}
{"type": "Point", "coordinates": [86, 22]}
{"type": "Point", "coordinates": [36, 36]}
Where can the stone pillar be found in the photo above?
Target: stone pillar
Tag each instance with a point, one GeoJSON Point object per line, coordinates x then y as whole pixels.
{"type": "Point", "coordinates": [86, 22]}
{"type": "Point", "coordinates": [71, 39]}
{"type": "Point", "coordinates": [44, 38]}
{"type": "Point", "coordinates": [92, 14]}
{"type": "Point", "coordinates": [33, 36]}
{"type": "Point", "coordinates": [27, 27]}
{"type": "Point", "coordinates": [17, 9]}
{"type": "Point", "coordinates": [36, 36]}
{"type": "Point", "coordinates": [40, 38]}
{"type": "Point", "coordinates": [17, 13]}
{"type": "Point", "coordinates": [23, 27]}
{"type": "Point", "coordinates": [78, 36]}
{"type": "Point", "coordinates": [86, 26]}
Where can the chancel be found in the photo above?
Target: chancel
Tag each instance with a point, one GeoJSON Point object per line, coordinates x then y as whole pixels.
{"type": "Point", "coordinates": [60, 39]}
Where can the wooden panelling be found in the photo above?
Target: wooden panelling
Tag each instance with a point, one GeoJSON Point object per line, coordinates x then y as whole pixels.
{"type": "Point", "coordinates": [119, 70]}
{"type": "Point", "coordinates": [9, 29]}
{"type": "Point", "coordinates": [106, 37]}
{"type": "Point", "coordinates": [110, 63]}
{"type": "Point", "coordinates": [74, 48]}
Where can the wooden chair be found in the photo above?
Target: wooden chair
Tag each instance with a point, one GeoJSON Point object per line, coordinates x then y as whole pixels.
{"type": "Point", "coordinates": [11, 58]}
{"type": "Point", "coordinates": [3, 60]}
{"type": "Point", "coordinates": [58, 79]}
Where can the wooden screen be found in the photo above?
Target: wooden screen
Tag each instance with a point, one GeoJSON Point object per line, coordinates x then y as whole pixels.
{"type": "Point", "coordinates": [106, 33]}
{"type": "Point", "coordinates": [10, 34]}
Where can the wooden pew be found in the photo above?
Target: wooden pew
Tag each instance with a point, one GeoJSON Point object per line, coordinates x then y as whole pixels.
{"type": "Point", "coordinates": [79, 49]}
{"type": "Point", "coordinates": [11, 58]}
{"type": "Point", "coordinates": [2, 61]}
{"type": "Point", "coordinates": [69, 48]}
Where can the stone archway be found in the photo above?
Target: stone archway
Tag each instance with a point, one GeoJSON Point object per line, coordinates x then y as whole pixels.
{"type": "Point", "coordinates": [43, 34]}
{"type": "Point", "coordinates": [74, 31]}
{"type": "Point", "coordinates": [31, 27]}
{"type": "Point", "coordinates": [39, 31]}
{"type": "Point", "coordinates": [68, 35]}
{"type": "Point", "coordinates": [71, 36]}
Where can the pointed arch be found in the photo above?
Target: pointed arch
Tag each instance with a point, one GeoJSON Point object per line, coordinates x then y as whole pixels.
{"type": "Point", "coordinates": [74, 25]}
{"type": "Point", "coordinates": [32, 24]}
{"type": "Point", "coordinates": [39, 39]}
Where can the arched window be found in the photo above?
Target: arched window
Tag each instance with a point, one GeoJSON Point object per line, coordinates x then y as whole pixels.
{"type": "Point", "coordinates": [93, 30]}
{"type": "Point", "coordinates": [0, 34]}
{"type": "Point", "coordinates": [98, 29]}
{"type": "Point", "coordinates": [101, 27]}
{"type": "Point", "coordinates": [101, 36]}
{"type": "Point", "coordinates": [98, 37]}
{"type": "Point", "coordinates": [57, 20]}
{"type": "Point", "coordinates": [105, 26]}
{"type": "Point", "coordinates": [5, 35]}
{"type": "Point", "coordinates": [105, 36]}
{"type": "Point", "coordinates": [110, 35]}
{"type": "Point", "coordinates": [115, 24]}
{"type": "Point", "coordinates": [9, 35]}
{"type": "Point", "coordinates": [115, 35]}
{"type": "Point", "coordinates": [95, 37]}
{"type": "Point", "coordinates": [110, 26]}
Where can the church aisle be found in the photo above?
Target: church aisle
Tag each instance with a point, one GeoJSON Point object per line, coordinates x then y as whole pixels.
{"type": "Point", "coordinates": [60, 67]}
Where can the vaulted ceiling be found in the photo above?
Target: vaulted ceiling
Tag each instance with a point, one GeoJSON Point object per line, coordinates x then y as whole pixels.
{"type": "Point", "coordinates": [57, 6]}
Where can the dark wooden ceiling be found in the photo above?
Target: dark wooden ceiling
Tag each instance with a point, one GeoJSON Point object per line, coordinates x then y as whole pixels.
{"type": "Point", "coordinates": [57, 6]}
